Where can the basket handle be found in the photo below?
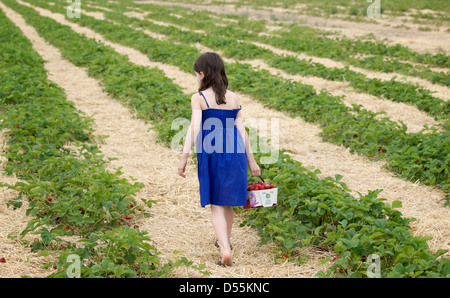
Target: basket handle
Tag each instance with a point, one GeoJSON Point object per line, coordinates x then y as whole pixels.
{"type": "Point", "coordinates": [256, 176]}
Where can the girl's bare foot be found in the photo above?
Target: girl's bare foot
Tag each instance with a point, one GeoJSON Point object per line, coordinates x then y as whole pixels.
{"type": "Point", "coordinates": [226, 259]}
{"type": "Point", "coordinates": [226, 255]}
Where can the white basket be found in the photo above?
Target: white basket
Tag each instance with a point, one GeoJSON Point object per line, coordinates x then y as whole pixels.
{"type": "Point", "coordinates": [261, 198]}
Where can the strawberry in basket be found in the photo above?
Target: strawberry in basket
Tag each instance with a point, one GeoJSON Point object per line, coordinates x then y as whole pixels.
{"type": "Point", "coordinates": [261, 194]}
{"type": "Point", "coordinates": [259, 185]}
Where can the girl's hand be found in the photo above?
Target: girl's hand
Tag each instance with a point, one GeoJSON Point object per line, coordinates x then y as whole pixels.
{"type": "Point", "coordinates": [254, 169]}
{"type": "Point", "coordinates": [182, 167]}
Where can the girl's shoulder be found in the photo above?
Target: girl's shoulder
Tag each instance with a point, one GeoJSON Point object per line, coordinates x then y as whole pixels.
{"type": "Point", "coordinates": [196, 101]}
{"type": "Point", "coordinates": [196, 95]}
{"type": "Point", "coordinates": [230, 95]}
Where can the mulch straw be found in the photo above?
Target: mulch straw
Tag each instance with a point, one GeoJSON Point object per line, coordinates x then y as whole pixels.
{"type": "Point", "coordinates": [178, 225]}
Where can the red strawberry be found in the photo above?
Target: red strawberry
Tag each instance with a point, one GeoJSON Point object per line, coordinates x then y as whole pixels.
{"type": "Point", "coordinates": [128, 217]}
{"type": "Point", "coordinates": [50, 199]}
{"type": "Point", "coordinates": [66, 227]}
{"type": "Point", "coordinates": [136, 226]}
{"type": "Point", "coordinates": [2, 260]}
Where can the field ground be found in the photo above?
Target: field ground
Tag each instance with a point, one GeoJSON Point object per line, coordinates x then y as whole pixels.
{"type": "Point", "coordinates": [178, 225]}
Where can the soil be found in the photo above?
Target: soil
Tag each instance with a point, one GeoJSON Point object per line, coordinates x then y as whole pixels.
{"type": "Point", "coordinates": [179, 226]}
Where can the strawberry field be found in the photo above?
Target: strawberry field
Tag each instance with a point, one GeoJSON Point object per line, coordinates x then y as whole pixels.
{"type": "Point", "coordinates": [89, 99]}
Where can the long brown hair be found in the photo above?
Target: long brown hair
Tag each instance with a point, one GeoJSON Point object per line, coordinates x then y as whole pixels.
{"type": "Point", "coordinates": [212, 66]}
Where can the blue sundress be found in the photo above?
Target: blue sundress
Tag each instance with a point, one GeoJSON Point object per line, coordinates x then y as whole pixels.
{"type": "Point", "coordinates": [222, 160]}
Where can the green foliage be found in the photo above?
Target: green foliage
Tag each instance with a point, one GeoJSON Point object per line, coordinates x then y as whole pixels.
{"type": "Point", "coordinates": [318, 212]}
{"type": "Point", "coordinates": [355, 128]}
{"type": "Point", "coordinates": [311, 211]}
{"type": "Point", "coordinates": [50, 148]}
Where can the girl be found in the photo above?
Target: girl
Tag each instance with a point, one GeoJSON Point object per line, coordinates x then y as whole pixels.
{"type": "Point", "coordinates": [223, 148]}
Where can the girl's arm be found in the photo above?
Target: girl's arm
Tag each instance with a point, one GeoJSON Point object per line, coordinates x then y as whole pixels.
{"type": "Point", "coordinates": [241, 128]}
{"type": "Point", "coordinates": [194, 128]}
{"type": "Point", "coordinates": [254, 168]}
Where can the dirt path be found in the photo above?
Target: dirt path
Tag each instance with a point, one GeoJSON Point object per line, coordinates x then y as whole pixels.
{"type": "Point", "coordinates": [19, 260]}
{"type": "Point", "coordinates": [396, 111]}
{"type": "Point", "coordinates": [439, 91]}
{"type": "Point", "coordinates": [420, 41]}
{"type": "Point", "coordinates": [360, 174]}
{"type": "Point", "coordinates": [178, 222]}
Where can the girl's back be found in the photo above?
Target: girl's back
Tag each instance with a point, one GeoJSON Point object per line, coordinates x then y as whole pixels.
{"type": "Point", "coordinates": [232, 101]}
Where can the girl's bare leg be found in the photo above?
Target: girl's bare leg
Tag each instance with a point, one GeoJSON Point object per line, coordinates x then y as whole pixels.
{"type": "Point", "coordinates": [222, 217]}
{"type": "Point", "coordinates": [229, 219]}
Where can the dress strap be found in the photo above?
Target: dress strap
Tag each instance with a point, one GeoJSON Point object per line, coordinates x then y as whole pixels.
{"type": "Point", "coordinates": [205, 99]}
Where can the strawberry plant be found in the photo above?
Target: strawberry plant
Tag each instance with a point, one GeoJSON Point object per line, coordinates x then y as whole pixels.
{"type": "Point", "coordinates": [248, 28]}
{"type": "Point", "coordinates": [311, 211]}
{"type": "Point", "coordinates": [231, 47]}
{"type": "Point", "coordinates": [337, 120]}
{"type": "Point", "coordinates": [289, 36]}
{"type": "Point", "coordinates": [50, 148]}
{"type": "Point", "coordinates": [117, 252]}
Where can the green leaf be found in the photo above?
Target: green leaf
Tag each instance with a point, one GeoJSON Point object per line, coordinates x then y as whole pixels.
{"type": "Point", "coordinates": [396, 204]}
{"type": "Point", "coordinates": [351, 243]}
{"type": "Point", "coordinates": [343, 223]}
{"type": "Point", "coordinates": [46, 235]}
{"type": "Point", "coordinates": [338, 177]}
{"type": "Point", "coordinates": [440, 252]}
{"type": "Point", "coordinates": [376, 234]}
{"type": "Point", "coordinates": [324, 206]}
{"type": "Point", "coordinates": [289, 243]}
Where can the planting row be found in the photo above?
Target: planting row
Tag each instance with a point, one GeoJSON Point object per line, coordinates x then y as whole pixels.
{"type": "Point", "coordinates": [241, 27]}
{"type": "Point", "coordinates": [230, 42]}
{"type": "Point", "coordinates": [51, 149]}
{"type": "Point", "coordinates": [310, 210]}
{"type": "Point", "coordinates": [303, 39]}
{"type": "Point", "coordinates": [417, 156]}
